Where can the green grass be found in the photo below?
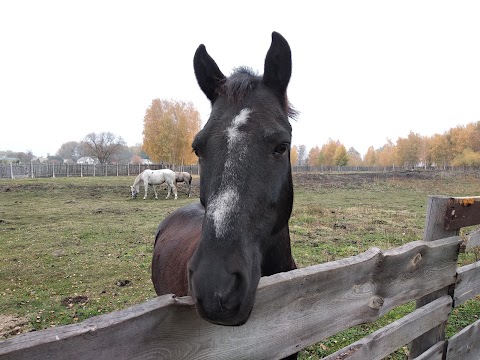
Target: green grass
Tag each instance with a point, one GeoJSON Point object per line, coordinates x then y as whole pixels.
{"type": "Point", "coordinates": [66, 242]}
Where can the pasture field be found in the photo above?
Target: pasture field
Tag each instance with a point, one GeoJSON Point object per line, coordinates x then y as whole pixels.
{"type": "Point", "coordinates": [72, 248]}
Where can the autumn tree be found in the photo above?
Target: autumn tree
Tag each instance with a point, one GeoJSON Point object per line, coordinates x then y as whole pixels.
{"type": "Point", "coordinates": [314, 157]}
{"type": "Point", "coordinates": [386, 155]}
{"type": "Point", "coordinates": [103, 146]}
{"type": "Point", "coordinates": [370, 157]}
{"type": "Point", "coordinates": [328, 152]}
{"type": "Point", "coordinates": [294, 155]}
{"type": "Point", "coordinates": [440, 153]}
{"type": "Point", "coordinates": [408, 150]}
{"type": "Point", "coordinates": [168, 131]}
{"type": "Point", "coordinates": [458, 139]}
{"type": "Point", "coordinates": [340, 157]}
{"type": "Point", "coordinates": [354, 157]}
{"type": "Point", "coordinates": [468, 157]}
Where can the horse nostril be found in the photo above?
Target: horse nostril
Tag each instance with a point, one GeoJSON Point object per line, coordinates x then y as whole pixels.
{"type": "Point", "coordinates": [234, 296]}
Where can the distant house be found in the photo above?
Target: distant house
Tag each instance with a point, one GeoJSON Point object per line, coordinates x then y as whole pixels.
{"type": "Point", "coordinates": [146, 162]}
{"type": "Point", "coordinates": [6, 159]}
{"type": "Point", "coordinates": [86, 160]}
{"type": "Point", "coordinates": [40, 160]}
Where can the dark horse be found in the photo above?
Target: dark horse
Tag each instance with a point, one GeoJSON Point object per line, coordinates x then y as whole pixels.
{"type": "Point", "coordinates": [217, 250]}
{"type": "Point", "coordinates": [186, 178]}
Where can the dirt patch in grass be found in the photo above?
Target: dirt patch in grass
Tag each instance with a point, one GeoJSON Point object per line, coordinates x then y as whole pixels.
{"type": "Point", "coordinates": [12, 325]}
{"type": "Point", "coordinates": [358, 179]}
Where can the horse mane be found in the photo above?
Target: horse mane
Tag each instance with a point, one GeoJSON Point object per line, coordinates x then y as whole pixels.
{"type": "Point", "coordinates": [242, 82]}
{"type": "Point", "coordinates": [138, 179]}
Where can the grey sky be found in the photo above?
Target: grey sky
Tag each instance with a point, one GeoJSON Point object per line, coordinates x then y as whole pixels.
{"type": "Point", "coordinates": [363, 71]}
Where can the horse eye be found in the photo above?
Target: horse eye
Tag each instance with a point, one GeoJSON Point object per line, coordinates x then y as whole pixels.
{"type": "Point", "coordinates": [197, 153]}
{"type": "Point", "coordinates": [281, 149]}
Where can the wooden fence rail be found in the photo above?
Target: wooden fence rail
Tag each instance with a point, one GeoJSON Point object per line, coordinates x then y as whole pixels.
{"type": "Point", "coordinates": [292, 310]}
{"type": "Point", "coordinates": [18, 171]}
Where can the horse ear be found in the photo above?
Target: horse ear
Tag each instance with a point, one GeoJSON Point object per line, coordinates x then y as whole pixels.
{"type": "Point", "coordinates": [278, 64]}
{"type": "Point", "coordinates": [209, 76]}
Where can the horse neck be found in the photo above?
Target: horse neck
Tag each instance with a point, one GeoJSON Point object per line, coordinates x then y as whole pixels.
{"type": "Point", "coordinates": [138, 179]}
{"type": "Point", "coordinates": [278, 257]}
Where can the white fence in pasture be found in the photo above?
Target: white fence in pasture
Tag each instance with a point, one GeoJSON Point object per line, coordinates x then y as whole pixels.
{"type": "Point", "coordinates": [18, 171]}
{"type": "Point", "coordinates": [301, 307]}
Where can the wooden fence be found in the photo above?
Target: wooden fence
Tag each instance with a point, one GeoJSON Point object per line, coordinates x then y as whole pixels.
{"type": "Point", "coordinates": [16, 171]}
{"type": "Point", "coordinates": [34, 170]}
{"type": "Point", "coordinates": [301, 307]}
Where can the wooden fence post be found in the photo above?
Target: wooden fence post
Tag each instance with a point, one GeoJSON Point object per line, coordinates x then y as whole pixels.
{"type": "Point", "coordinates": [434, 230]}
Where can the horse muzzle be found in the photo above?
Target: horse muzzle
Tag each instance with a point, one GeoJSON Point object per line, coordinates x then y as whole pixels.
{"type": "Point", "coordinates": [223, 299]}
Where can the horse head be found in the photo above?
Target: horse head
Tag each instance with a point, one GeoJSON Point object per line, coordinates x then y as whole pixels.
{"type": "Point", "coordinates": [245, 184]}
{"type": "Point", "coordinates": [134, 192]}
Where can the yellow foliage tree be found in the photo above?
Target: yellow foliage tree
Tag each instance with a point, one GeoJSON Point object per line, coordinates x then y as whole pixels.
{"type": "Point", "coordinates": [294, 155]}
{"type": "Point", "coordinates": [370, 158]}
{"type": "Point", "coordinates": [386, 155]}
{"type": "Point", "coordinates": [168, 131]}
{"type": "Point", "coordinates": [468, 157]}
{"type": "Point", "coordinates": [328, 150]}
{"type": "Point", "coordinates": [314, 157]}
{"type": "Point", "coordinates": [340, 157]}
{"type": "Point", "coordinates": [440, 151]}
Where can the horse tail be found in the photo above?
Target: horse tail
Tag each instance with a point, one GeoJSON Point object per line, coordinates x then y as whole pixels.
{"type": "Point", "coordinates": [190, 179]}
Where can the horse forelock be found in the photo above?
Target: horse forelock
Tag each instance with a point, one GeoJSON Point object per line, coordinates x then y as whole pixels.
{"type": "Point", "coordinates": [243, 82]}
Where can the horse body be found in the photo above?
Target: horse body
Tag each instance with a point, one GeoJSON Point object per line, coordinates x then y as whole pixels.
{"type": "Point", "coordinates": [217, 250]}
{"type": "Point", "coordinates": [154, 177]}
{"type": "Point", "coordinates": [186, 178]}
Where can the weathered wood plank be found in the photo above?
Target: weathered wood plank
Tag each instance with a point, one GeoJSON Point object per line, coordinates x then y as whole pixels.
{"type": "Point", "coordinates": [465, 345]}
{"type": "Point", "coordinates": [462, 212]}
{"type": "Point", "coordinates": [312, 303]}
{"type": "Point", "coordinates": [435, 219]}
{"type": "Point", "coordinates": [473, 240]}
{"type": "Point", "coordinates": [434, 353]}
{"type": "Point", "coordinates": [391, 337]}
{"type": "Point", "coordinates": [434, 229]}
{"type": "Point", "coordinates": [468, 283]}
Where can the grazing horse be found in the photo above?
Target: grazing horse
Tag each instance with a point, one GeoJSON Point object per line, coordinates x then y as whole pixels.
{"type": "Point", "coordinates": [154, 177]}
{"type": "Point", "coordinates": [186, 178]}
{"type": "Point", "coordinates": [217, 250]}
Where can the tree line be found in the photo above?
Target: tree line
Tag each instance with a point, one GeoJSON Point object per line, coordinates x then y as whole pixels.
{"type": "Point", "coordinates": [169, 127]}
{"type": "Point", "coordinates": [459, 146]}
{"type": "Point", "coordinates": [168, 130]}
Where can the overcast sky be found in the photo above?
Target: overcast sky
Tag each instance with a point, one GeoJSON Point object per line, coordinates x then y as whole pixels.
{"type": "Point", "coordinates": [363, 71]}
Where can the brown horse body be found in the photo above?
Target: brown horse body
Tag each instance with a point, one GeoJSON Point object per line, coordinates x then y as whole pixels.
{"type": "Point", "coordinates": [186, 178]}
{"type": "Point", "coordinates": [176, 240]}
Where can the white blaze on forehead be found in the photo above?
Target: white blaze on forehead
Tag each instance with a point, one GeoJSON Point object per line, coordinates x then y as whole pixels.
{"type": "Point", "coordinates": [220, 209]}
{"type": "Point", "coordinates": [222, 206]}
{"type": "Point", "coordinates": [233, 131]}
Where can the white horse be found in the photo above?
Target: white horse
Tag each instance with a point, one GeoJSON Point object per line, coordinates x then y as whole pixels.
{"type": "Point", "coordinates": [186, 178]}
{"type": "Point", "coordinates": [154, 177]}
